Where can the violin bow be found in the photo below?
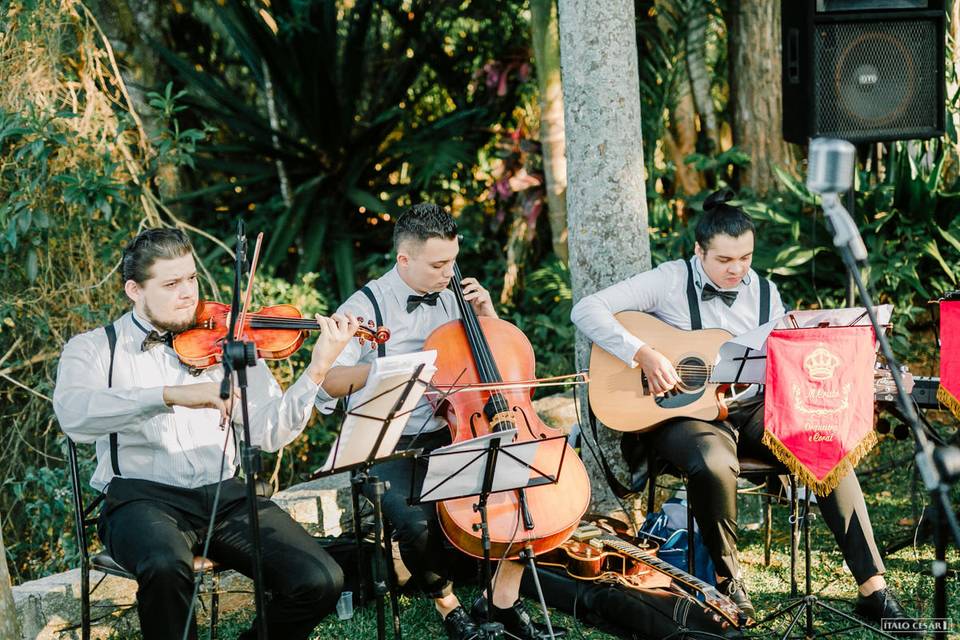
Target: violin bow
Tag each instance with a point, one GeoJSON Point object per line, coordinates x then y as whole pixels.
{"type": "Point", "coordinates": [249, 292]}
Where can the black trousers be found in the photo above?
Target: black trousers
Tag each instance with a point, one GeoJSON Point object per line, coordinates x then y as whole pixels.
{"type": "Point", "coordinates": [154, 530]}
{"type": "Point", "coordinates": [419, 536]}
{"type": "Point", "coordinates": [708, 453]}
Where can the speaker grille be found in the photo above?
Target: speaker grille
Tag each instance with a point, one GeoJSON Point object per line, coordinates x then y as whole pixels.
{"type": "Point", "coordinates": [877, 79]}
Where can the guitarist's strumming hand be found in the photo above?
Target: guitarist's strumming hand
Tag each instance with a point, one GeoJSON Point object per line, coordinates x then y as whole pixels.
{"type": "Point", "coordinates": [659, 371]}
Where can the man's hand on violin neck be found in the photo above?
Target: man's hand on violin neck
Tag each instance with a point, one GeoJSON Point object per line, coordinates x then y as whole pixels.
{"type": "Point", "coordinates": [478, 297]}
{"type": "Point", "coordinates": [203, 395]}
{"type": "Point", "coordinates": [335, 333]}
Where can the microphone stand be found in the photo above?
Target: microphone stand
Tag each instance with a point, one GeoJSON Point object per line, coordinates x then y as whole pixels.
{"type": "Point", "coordinates": [237, 356]}
{"type": "Point", "coordinates": [938, 466]}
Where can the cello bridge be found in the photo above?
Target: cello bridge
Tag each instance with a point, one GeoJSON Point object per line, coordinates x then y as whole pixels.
{"type": "Point", "coordinates": [501, 418]}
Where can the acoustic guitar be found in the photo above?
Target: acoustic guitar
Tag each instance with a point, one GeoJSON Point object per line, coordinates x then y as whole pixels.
{"type": "Point", "coordinates": [597, 555]}
{"type": "Point", "coordinates": [619, 394]}
{"type": "Point", "coordinates": [621, 398]}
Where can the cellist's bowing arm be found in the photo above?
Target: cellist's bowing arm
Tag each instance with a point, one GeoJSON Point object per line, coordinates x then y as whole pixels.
{"type": "Point", "coordinates": [340, 380]}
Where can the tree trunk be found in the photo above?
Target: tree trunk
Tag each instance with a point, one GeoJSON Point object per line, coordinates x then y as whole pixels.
{"type": "Point", "coordinates": [696, 59]}
{"type": "Point", "coordinates": [755, 92]}
{"type": "Point", "coordinates": [131, 26]}
{"type": "Point", "coordinates": [546, 52]}
{"type": "Point", "coordinates": [680, 138]}
{"type": "Point", "coordinates": [9, 625]}
{"type": "Point", "coordinates": [951, 166]}
{"type": "Point", "coordinates": [607, 207]}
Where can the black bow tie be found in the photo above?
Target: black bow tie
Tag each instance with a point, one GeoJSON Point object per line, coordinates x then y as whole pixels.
{"type": "Point", "coordinates": [428, 298]}
{"type": "Point", "coordinates": [710, 292]}
{"type": "Point", "coordinates": [153, 339]}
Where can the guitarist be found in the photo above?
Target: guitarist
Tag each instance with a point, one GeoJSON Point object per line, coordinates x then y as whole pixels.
{"type": "Point", "coordinates": [716, 288]}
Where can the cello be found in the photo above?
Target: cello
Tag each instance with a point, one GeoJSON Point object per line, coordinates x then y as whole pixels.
{"type": "Point", "coordinates": [486, 352]}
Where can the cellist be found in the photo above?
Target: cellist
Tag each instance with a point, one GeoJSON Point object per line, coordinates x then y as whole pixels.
{"type": "Point", "coordinates": [413, 300]}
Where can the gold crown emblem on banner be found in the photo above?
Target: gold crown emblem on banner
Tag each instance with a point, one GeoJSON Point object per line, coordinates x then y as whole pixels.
{"type": "Point", "coordinates": [821, 364]}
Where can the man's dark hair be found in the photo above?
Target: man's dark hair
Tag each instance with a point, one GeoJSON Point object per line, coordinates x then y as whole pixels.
{"type": "Point", "coordinates": [148, 247]}
{"type": "Point", "coordinates": [721, 218]}
{"type": "Point", "coordinates": [422, 222]}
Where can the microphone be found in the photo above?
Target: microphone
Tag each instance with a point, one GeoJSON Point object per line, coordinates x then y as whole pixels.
{"type": "Point", "coordinates": [830, 171]}
{"type": "Point", "coordinates": [830, 167]}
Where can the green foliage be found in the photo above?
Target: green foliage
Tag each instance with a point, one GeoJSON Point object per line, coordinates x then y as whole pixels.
{"type": "Point", "coordinates": [376, 103]}
{"type": "Point", "coordinates": [74, 186]}
{"type": "Point", "coordinates": [907, 217]}
{"type": "Point", "coordinates": [175, 148]}
{"type": "Point", "coordinates": [544, 316]}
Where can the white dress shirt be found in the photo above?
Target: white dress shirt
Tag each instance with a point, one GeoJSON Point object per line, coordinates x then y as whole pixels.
{"type": "Point", "coordinates": [408, 331]}
{"type": "Point", "coordinates": [662, 292]}
{"type": "Point", "coordinates": [170, 445]}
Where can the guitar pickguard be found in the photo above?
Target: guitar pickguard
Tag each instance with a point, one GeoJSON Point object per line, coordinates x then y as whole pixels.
{"type": "Point", "coordinates": [677, 400]}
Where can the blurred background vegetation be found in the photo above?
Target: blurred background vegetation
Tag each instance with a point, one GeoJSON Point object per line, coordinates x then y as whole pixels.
{"type": "Point", "coordinates": [319, 121]}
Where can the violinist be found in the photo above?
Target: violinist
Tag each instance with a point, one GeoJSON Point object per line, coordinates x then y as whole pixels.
{"type": "Point", "coordinates": [161, 455]}
{"type": "Point", "coordinates": [413, 300]}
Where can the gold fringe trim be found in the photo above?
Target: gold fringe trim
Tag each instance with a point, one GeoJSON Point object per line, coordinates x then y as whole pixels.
{"type": "Point", "coordinates": [948, 400]}
{"type": "Point", "coordinates": [829, 482]}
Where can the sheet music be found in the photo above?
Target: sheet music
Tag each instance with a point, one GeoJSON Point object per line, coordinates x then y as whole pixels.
{"type": "Point", "coordinates": [458, 469]}
{"type": "Point", "coordinates": [371, 405]}
{"type": "Point", "coordinates": [743, 358]}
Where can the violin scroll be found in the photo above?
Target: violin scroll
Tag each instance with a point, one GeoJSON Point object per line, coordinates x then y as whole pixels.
{"type": "Point", "coordinates": [370, 332]}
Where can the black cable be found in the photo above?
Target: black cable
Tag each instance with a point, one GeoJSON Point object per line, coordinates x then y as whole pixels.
{"type": "Point", "coordinates": [198, 576]}
{"type": "Point", "coordinates": [596, 454]}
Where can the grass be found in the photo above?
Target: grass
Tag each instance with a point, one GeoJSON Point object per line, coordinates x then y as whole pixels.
{"type": "Point", "coordinates": [893, 496]}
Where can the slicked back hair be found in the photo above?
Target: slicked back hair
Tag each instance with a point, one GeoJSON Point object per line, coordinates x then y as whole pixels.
{"type": "Point", "coordinates": [148, 247]}
{"type": "Point", "coordinates": [721, 218]}
{"type": "Point", "coordinates": [423, 221]}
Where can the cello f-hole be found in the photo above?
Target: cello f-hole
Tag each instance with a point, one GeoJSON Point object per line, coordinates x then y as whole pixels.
{"type": "Point", "coordinates": [473, 422]}
{"type": "Point", "coordinates": [526, 421]}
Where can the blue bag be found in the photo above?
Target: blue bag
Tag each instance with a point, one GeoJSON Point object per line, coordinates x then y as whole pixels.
{"type": "Point", "coordinates": [668, 527]}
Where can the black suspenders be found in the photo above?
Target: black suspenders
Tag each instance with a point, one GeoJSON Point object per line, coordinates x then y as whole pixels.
{"type": "Point", "coordinates": [378, 318]}
{"type": "Point", "coordinates": [693, 300]}
{"type": "Point", "coordinates": [764, 301]}
{"type": "Point", "coordinates": [112, 339]}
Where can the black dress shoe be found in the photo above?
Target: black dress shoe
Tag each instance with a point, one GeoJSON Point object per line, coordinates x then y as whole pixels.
{"type": "Point", "coordinates": [460, 626]}
{"type": "Point", "coordinates": [516, 622]}
{"type": "Point", "coordinates": [879, 605]}
{"type": "Point", "coordinates": [737, 591]}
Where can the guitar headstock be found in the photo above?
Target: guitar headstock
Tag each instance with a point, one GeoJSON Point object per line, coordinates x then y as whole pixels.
{"type": "Point", "coordinates": [883, 384]}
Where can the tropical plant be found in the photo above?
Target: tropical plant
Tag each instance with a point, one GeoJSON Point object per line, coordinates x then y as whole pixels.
{"type": "Point", "coordinates": [358, 109]}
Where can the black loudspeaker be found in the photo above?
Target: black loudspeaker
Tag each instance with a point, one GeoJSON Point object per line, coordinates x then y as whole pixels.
{"type": "Point", "coordinates": [862, 71]}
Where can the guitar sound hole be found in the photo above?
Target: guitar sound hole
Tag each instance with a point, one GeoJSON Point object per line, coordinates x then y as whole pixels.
{"type": "Point", "coordinates": [693, 373]}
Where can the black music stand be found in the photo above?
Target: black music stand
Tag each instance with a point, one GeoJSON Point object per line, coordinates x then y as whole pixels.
{"type": "Point", "coordinates": [400, 397]}
{"type": "Point", "coordinates": [808, 602]}
{"type": "Point", "coordinates": [832, 167]}
{"type": "Point", "coordinates": [471, 469]}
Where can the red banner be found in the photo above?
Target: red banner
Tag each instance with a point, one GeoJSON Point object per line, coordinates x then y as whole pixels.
{"type": "Point", "coordinates": [818, 414]}
{"type": "Point", "coordinates": [949, 391]}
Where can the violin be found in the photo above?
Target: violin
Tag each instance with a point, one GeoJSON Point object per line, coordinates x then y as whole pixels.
{"type": "Point", "coordinates": [481, 357]}
{"type": "Point", "coordinates": [277, 331]}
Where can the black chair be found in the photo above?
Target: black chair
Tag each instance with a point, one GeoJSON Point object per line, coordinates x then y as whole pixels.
{"type": "Point", "coordinates": [86, 517]}
{"type": "Point", "coordinates": [760, 473]}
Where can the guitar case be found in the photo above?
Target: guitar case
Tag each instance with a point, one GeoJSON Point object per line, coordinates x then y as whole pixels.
{"type": "Point", "coordinates": [630, 613]}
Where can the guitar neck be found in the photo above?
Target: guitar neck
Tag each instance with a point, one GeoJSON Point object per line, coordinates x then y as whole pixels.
{"type": "Point", "coordinates": [640, 555]}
